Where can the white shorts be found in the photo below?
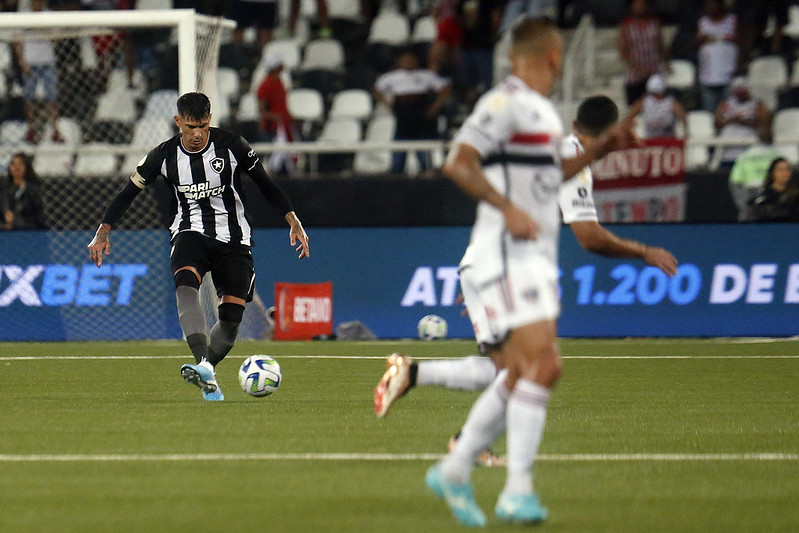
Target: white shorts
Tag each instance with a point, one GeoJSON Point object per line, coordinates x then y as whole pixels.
{"type": "Point", "coordinates": [525, 294]}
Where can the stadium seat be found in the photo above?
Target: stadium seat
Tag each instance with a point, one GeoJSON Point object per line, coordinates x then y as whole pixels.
{"type": "Point", "coordinates": [90, 164]}
{"type": "Point", "coordinates": [389, 28]}
{"type": "Point", "coordinates": [784, 128]}
{"type": "Point", "coordinates": [424, 30]}
{"type": "Point", "coordinates": [323, 54]}
{"type": "Point", "coordinates": [767, 75]}
{"type": "Point", "coordinates": [118, 81]}
{"type": "Point", "coordinates": [344, 131]}
{"type": "Point", "coordinates": [342, 9]}
{"type": "Point", "coordinates": [306, 106]}
{"type": "Point", "coordinates": [227, 79]}
{"type": "Point", "coordinates": [161, 104]}
{"type": "Point", "coordinates": [118, 105]}
{"type": "Point", "coordinates": [49, 164]}
{"type": "Point", "coordinates": [70, 130]}
{"type": "Point", "coordinates": [289, 50]}
{"type": "Point", "coordinates": [248, 108]}
{"type": "Point", "coordinates": [700, 126]}
{"type": "Point", "coordinates": [6, 57]}
{"type": "Point", "coordinates": [789, 151]}
{"type": "Point", "coordinates": [683, 74]}
{"type": "Point", "coordinates": [341, 130]}
{"type": "Point", "coordinates": [379, 129]}
{"type": "Point", "coordinates": [154, 4]}
{"type": "Point", "coordinates": [12, 132]}
{"type": "Point", "coordinates": [150, 131]}
{"type": "Point", "coordinates": [351, 103]}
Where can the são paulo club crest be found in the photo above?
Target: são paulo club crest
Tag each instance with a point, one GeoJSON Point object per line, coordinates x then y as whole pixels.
{"type": "Point", "coordinates": [217, 164]}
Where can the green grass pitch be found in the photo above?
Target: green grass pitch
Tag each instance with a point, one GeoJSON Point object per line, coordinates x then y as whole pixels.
{"type": "Point", "coordinates": [642, 435]}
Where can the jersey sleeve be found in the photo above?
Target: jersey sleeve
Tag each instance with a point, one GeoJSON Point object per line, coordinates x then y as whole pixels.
{"type": "Point", "coordinates": [149, 168]}
{"type": "Point", "coordinates": [245, 155]}
{"type": "Point", "coordinates": [490, 124]}
{"type": "Point", "coordinates": [575, 196]}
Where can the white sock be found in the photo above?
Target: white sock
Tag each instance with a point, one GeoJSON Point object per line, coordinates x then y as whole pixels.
{"type": "Point", "coordinates": [485, 423]}
{"type": "Point", "coordinates": [471, 373]}
{"type": "Point", "coordinates": [526, 414]}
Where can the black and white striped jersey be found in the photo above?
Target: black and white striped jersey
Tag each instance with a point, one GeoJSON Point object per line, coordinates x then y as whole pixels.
{"type": "Point", "coordinates": [208, 194]}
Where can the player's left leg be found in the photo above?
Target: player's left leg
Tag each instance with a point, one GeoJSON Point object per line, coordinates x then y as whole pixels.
{"type": "Point", "coordinates": [533, 369]}
{"type": "Point", "coordinates": [224, 333]}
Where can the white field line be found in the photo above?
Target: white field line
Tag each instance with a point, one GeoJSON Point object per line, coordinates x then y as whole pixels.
{"type": "Point", "coordinates": [364, 357]}
{"type": "Point", "coordinates": [584, 457]}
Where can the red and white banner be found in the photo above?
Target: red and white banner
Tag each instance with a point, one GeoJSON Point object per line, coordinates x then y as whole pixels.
{"type": "Point", "coordinates": [303, 310]}
{"type": "Point", "coordinates": [642, 184]}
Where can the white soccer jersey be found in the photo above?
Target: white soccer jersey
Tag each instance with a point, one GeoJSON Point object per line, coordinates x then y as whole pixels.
{"type": "Point", "coordinates": [518, 133]}
{"type": "Point", "coordinates": [575, 197]}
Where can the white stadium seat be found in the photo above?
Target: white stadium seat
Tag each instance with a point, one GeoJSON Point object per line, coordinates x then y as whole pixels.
{"type": "Point", "coordinates": [389, 28]}
{"type": "Point", "coordinates": [117, 105]}
{"type": "Point", "coordinates": [351, 103]}
{"type": "Point", "coordinates": [161, 104]}
{"type": "Point", "coordinates": [341, 130]}
{"type": "Point", "coordinates": [90, 164]}
{"type": "Point", "coordinates": [323, 54]}
{"type": "Point", "coordinates": [306, 104]}
{"type": "Point", "coordinates": [683, 74]}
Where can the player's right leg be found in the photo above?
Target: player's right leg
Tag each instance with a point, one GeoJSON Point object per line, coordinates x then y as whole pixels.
{"type": "Point", "coordinates": [187, 258]}
{"type": "Point", "coordinates": [472, 373]}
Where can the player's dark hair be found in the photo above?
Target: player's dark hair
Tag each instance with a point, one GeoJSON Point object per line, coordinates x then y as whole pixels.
{"type": "Point", "coordinates": [194, 106]}
{"type": "Point", "coordinates": [30, 174]}
{"type": "Point", "coordinates": [596, 114]}
{"type": "Point", "coordinates": [767, 183]}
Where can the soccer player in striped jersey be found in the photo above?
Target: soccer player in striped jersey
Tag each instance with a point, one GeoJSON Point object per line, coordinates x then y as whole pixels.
{"type": "Point", "coordinates": [209, 228]}
{"type": "Point", "coordinates": [507, 156]}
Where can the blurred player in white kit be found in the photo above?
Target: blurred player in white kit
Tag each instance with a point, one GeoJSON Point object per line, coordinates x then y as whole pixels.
{"type": "Point", "coordinates": [507, 156]}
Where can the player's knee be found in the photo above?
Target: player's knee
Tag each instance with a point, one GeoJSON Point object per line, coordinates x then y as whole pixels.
{"type": "Point", "coordinates": [230, 312]}
{"type": "Point", "coordinates": [186, 277]}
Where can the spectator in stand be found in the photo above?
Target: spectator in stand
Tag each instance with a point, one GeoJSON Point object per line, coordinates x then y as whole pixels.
{"type": "Point", "coordinates": [753, 16]}
{"type": "Point", "coordinates": [276, 121]}
{"type": "Point", "coordinates": [24, 206]}
{"type": "Point", "coordinates": [262, 14]}
{"type": "Point", "coordinates": [480, 21]}
{"type": "Point", "coordinates": [778, 199]}
{"type": "Point", "coordinates": [416, 96]}
{"type": "Point", "coordinates": [659, 111]}
{"type": "Point", "coordinates": [741, 116]}
{"type": "Point", "coordinates": [640, 45]}
{"type": "Point", "coordinates": [37, 63]}
{"type": "Point", "coordinates": [517, 9]}
{"type": "Point", "coordinates": [746, 176]}
{"type": "Point", "coordinates": [717, 40]}
{"type": "Point", "coordinates": [322, 18]}
{"type": "Point", "coordinates": [444, 55]}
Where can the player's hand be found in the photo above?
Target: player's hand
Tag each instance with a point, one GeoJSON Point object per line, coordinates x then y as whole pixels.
{"type": "Point", "coordinates": [662, 259]}
{"type": "Point", "coordinates": [100, 245]}
{"type": "Point", "coordinates": [519, 224]}
{"type": "Point", "coordinates": [297, 233]}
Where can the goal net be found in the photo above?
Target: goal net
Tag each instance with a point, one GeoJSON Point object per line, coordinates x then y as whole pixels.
{"type": "Point", "coordinates": [86, 95]}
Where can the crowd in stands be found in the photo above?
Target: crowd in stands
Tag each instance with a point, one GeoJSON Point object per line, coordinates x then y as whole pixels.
{"type": "Point", "coordinates": [382, 70]}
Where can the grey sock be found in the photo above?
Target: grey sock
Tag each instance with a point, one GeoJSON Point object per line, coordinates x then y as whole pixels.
{"type": "Point", "coordinates": [223, 336]}
{"type": "Point", "coordinates": [192, 321]}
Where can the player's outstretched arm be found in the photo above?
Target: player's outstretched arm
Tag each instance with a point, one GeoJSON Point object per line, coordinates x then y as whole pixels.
{"type": "Point", "coordinates": [599, 240]}
{"type": "Point", "coordinates": [101, 245]}
{"type": "Point", "coordinates": [297, 233]}
{"type": "Point", "coordinates": [463, 167]}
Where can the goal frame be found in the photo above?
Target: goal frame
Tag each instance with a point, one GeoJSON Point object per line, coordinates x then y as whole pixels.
{"type": "Point", "coordinates": [183, 20]}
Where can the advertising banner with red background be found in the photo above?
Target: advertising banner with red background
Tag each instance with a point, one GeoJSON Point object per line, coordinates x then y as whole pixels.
{"type": "Point", "coordinates": [642, 184]}
{"type": "Point", "coordinates": [303, 310]}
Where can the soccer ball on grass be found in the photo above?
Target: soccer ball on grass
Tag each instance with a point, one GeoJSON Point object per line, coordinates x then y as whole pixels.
{"type": "Point", "coordinates": [432, 327]}
{"type": "Point", "coordinates": [260, 375]}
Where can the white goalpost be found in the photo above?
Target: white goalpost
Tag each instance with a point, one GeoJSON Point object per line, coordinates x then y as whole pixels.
{"type": "Point", "coordinates": [117, 75]}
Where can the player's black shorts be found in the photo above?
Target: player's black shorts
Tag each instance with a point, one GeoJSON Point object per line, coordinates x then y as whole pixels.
{"type": "Point", "coordinates": [231, 265]}
{"type": "Point", "coordinates": [257, 14]}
